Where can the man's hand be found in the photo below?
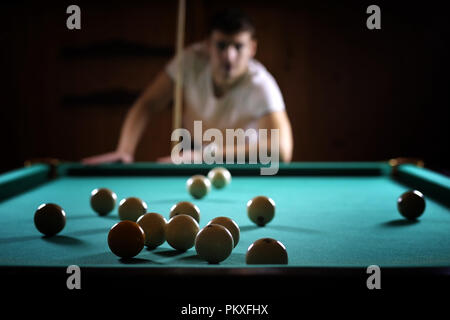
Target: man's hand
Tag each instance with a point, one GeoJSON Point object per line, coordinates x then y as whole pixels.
{"type": "Point", "coordinates": [279, 120]}
{"type": "Point", "coordinates": [114, 156]}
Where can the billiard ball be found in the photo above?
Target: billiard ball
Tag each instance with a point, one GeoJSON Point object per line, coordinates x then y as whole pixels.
{"type": "Point", "coordinates": [261, 210]}
{"type": "Point", "coordinates": [198, 186]}
{"type": "Point", "coordinates": [411, 204]}
{"type": "Point", "coordinates": [214, 243]}
{"type": "Point", "coordinates": [126, 239]}
{"type": "Point", "coordinates": [230, 225]}
{"type": "Point", "coordinates": [185, 207]}
{"type": "Point", "coordinates": [181, 231]}
{"type": "Point", "coordinates": [154, 226]}
{"type": "Point", "coordinates": [49, 219]}
{"type": "Point", "coordinates": [131, 209]}
{"type": "Point", "coordinates": [266, 251]}
{"type": "Point", "coordinates": [103, 201]}
{"type": "Point", "coordinates": [219, 177]}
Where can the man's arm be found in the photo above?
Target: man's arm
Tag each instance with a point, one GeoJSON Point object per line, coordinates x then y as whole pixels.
{"type": "Point", "coordinates": [155, 98]}
{"type": "Point", "coordinates": [274, 120]}
{"type": "Point", "coordinates": [279, 120]}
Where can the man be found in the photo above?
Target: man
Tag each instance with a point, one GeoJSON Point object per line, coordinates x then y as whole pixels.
{"type": "Point", "coordinates": [224, 87]}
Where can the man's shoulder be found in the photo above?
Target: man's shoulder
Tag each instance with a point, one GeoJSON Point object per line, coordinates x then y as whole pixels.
{"type": "Point", "coordinates": [259, 78]}
{"type": "Point", "coordinates": [197, 51]}
{"type": "Point", "coordinates": [194, 63]}
{"type": "Point", "coordinates": [263, 89]}
{"type": "Point", "coordinates": [195, 60]}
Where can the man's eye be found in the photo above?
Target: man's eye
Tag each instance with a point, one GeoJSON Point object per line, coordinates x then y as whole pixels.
{"type": "Point", "coordinates": [238, 46]}
{"type": "Point", "coordinates": [221, 45]}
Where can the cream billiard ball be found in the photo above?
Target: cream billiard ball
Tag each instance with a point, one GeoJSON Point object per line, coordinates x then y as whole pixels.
{"type": "Point", "coordinates": [131, 209]}
{"type": "Point", "coordinates": [126, 239]}
{"type": "Point", "coordinates": [266, 251]}
{"type": "Point", "coordinates": [49, 219]}
{"type": "Point", "coordinates": [181, 231]}
{"type": "Point", "coordinates": [220, 177]}
{"type": "Point", "coordinates": [261, 210]}
{"type": "Point", "coordinates": [198, 186]}
{"type": "Point", "coordinates": [411, 204]}
{"type": "Point", "coordinates": [154, 226]}
{"type": "Point", "coordinates": [214, 243]}
{"type": "Point", "coordinates": [103, 201]}
{"type": "Point", "coordinates": [185, 207]}
{"type": "Point", "coordinates": [230, 225]}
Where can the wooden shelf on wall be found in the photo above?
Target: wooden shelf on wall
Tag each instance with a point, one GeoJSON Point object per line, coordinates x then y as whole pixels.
{"type": "Point", "coordinates": [108, 98]}
{"type": "Point", "coordinates": [115, 49]}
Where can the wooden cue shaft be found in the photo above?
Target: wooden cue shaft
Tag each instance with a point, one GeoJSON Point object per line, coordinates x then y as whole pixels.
{"type": "Point", "coordinates": [178, 91]}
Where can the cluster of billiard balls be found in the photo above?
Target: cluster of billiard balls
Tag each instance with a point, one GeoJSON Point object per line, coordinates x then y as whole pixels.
{"type": "Point", "coordinates": [213, 243]}
{"type": "Point", "coordinates": [139, 228]}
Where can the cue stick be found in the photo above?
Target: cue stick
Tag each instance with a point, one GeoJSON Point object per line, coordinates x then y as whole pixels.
{"type": "Point", "coordinates": [178, 91]}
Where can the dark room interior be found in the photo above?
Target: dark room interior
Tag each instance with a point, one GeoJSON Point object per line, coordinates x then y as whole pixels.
{"type": "Point", "coordinates": [352, 94]}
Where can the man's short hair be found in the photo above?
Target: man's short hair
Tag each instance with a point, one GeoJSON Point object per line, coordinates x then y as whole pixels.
{"type": "Point", "coordinates": [231, 21]}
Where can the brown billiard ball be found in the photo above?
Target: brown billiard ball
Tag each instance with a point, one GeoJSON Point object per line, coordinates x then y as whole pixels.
{"type": "Point", "coordinates": [49, 219]}
{"type": "Point", "coordinates": [185, 207]}
{"type": "Point", "coordinates": [126, 239]}
{"type": "Point", "coordinates": [198, 186]}
{"type": "Point", "coordinates": [219, 177]}
{"type": "Point", "coordinates": [266, 251]}
{"type": "Point", "coordinates": [131, 209]}
{"type": "Point", "coordinates": [411, 204]}
{"type": "Point", "coordinates": [261, 210]}
{"type": "Point", "coordinates": [154, 226]}
{"type": "Point", "coordinates": [214, 243]}
{"type": "Point", "coordinates": [181, 231]}
{"type": "Point", "coordinates": [103, 201]}
{"type": "Point", "coordinates": [230, 225]}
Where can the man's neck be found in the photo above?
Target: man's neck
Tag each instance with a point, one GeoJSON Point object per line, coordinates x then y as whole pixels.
{"type": "Point", "coordinates": [222, 89]}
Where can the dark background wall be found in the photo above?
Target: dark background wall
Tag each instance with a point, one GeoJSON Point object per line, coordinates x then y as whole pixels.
{"type": "Point", "coordinates": [352, 94]}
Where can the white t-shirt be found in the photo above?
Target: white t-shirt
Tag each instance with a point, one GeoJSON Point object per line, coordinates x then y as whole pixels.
{"type": "Point", "coordinates": [256, 95]}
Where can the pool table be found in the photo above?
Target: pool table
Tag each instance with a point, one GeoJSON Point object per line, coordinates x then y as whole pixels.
{"type": "Point", "coordinates": [335, 220]}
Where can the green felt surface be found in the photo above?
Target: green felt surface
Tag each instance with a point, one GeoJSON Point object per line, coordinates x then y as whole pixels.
{"type": "Point", "coordinates": [324, 221]}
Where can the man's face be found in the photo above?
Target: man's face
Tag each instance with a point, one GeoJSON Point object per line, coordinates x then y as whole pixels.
{"type": "Point", "coordinates": [230, 55]}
